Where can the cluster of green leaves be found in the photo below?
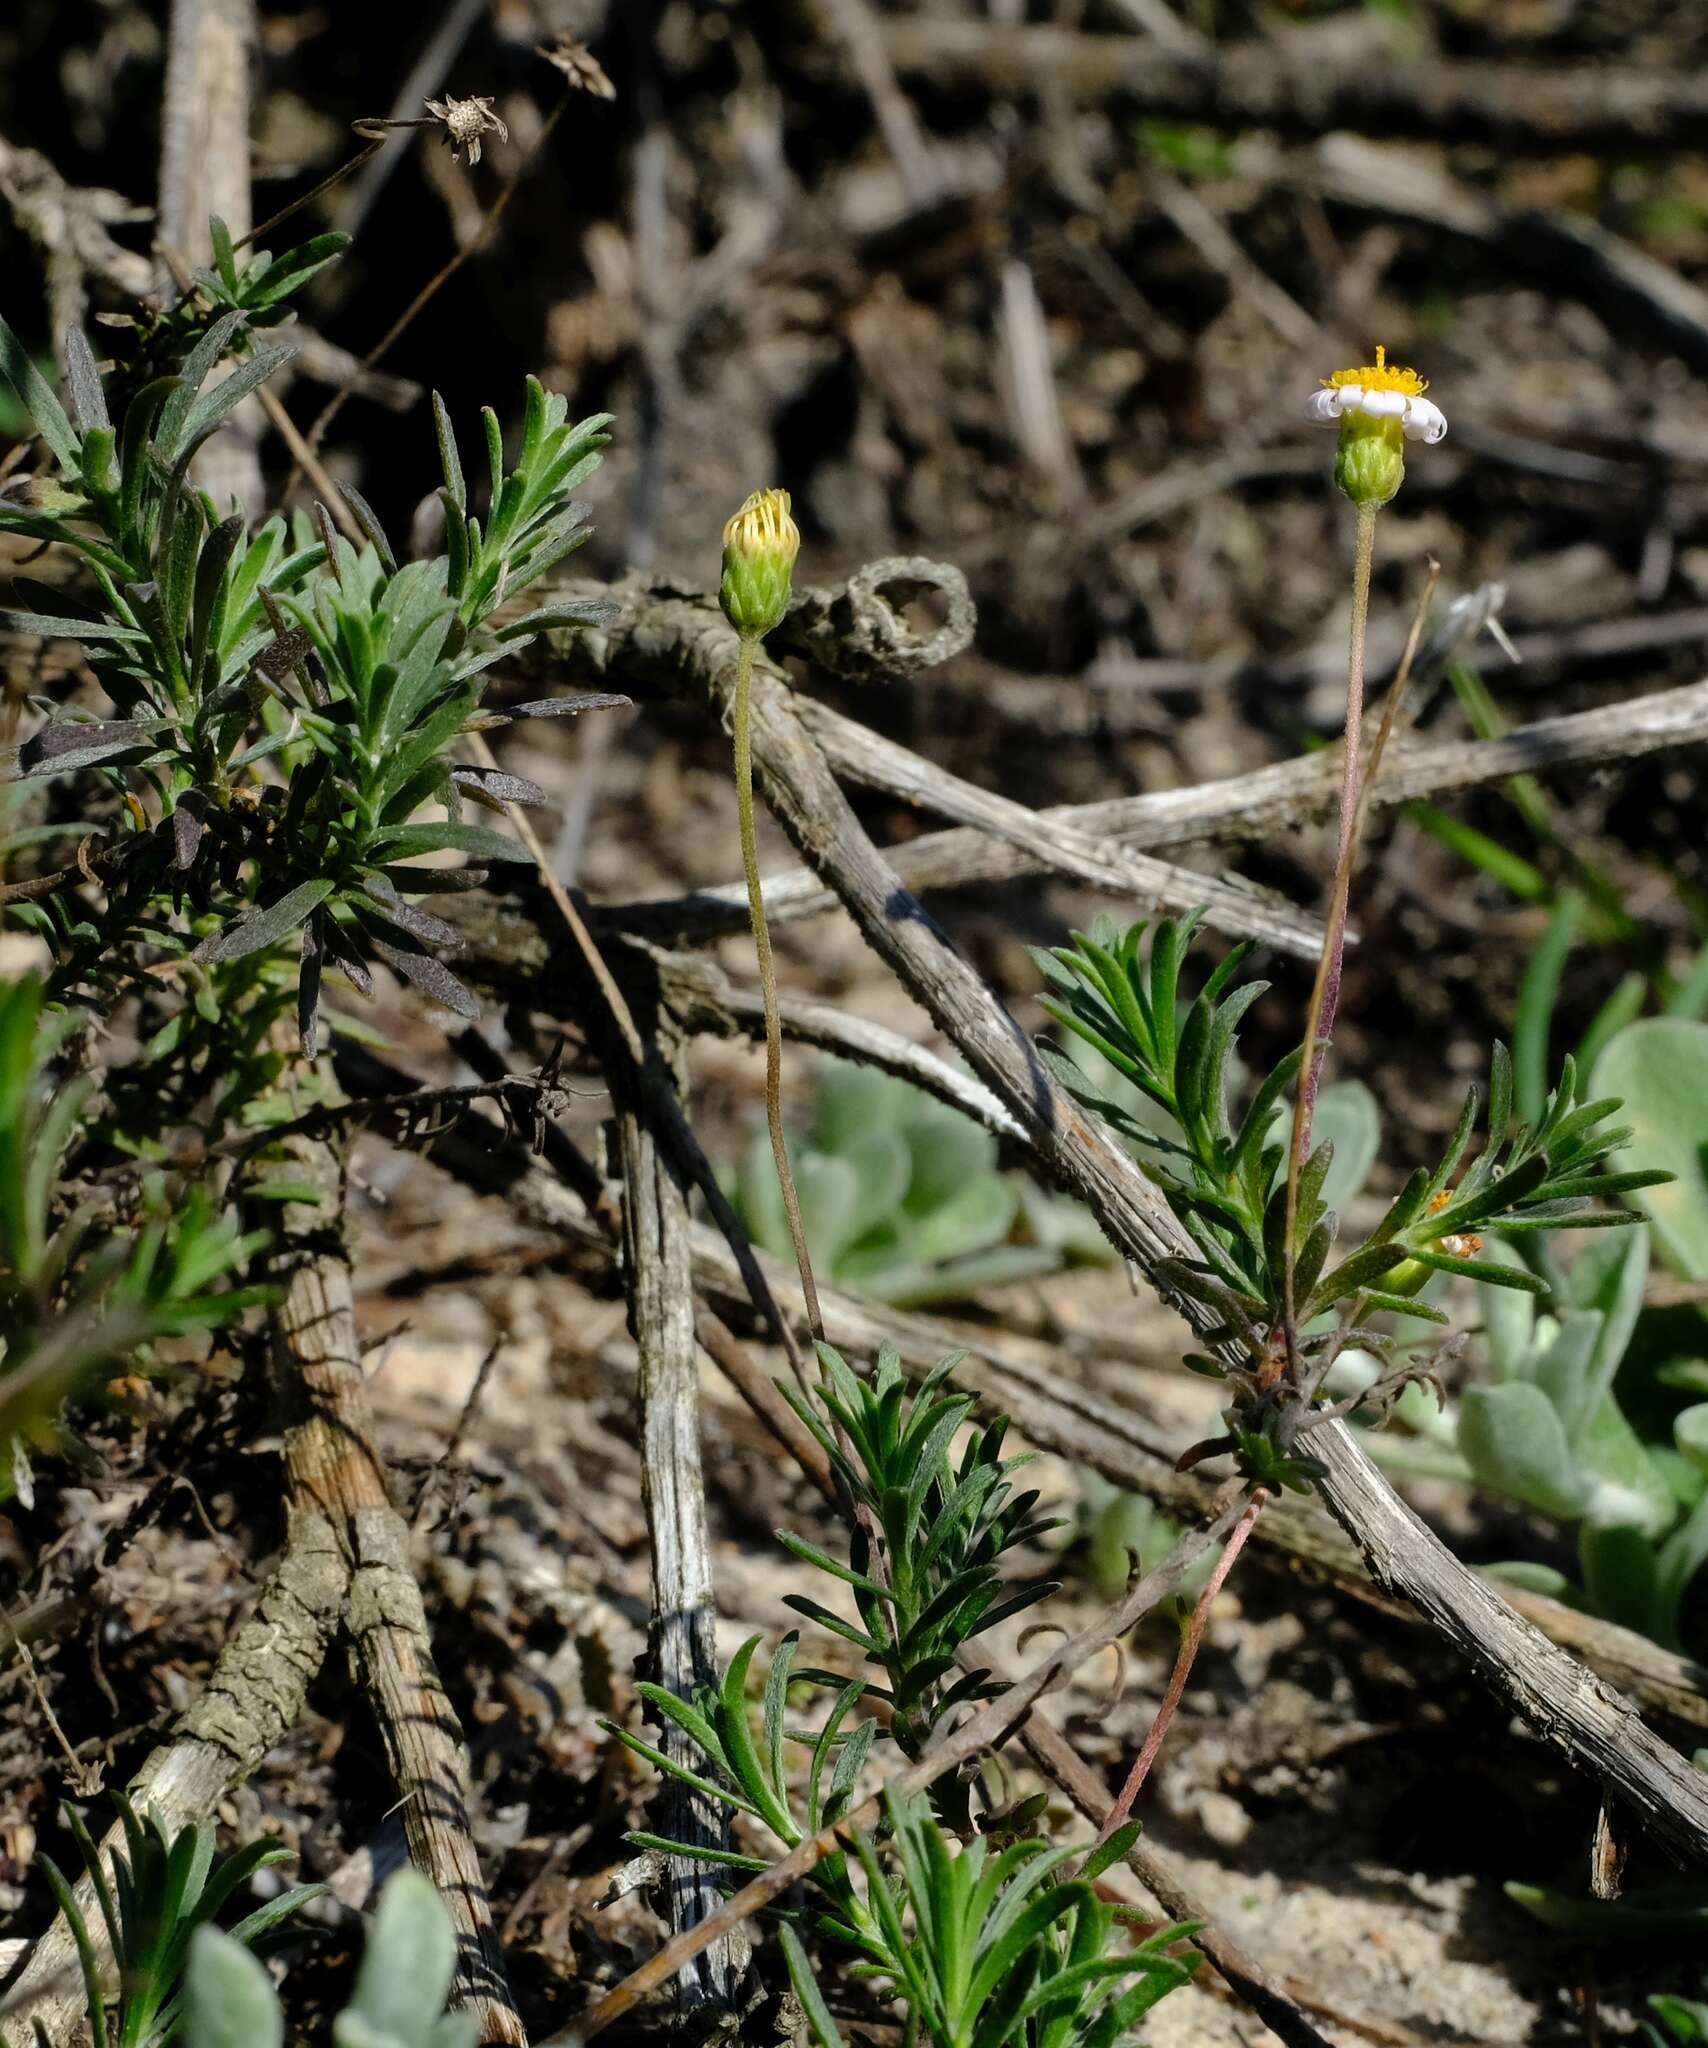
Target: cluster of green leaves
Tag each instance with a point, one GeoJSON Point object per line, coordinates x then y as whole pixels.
{"type": "Point", "coordinates": [968, 1920]}
{"type": "Point", "coordinates": [287, 701]}
{"type": "Point", "coordinates": [1227, 1183]}
{"type": "Point", "coordinates": [408, 1962]}
{"type": "Point", "coordinates": [252, 282]}
{"type": "Point", "coordinates": [1685, 2021]}
{"type": "Point", "coordinates": [78, 1295]}
{"type": "Point", "coordinates": [928, 1531]}
{"type": "Point", "coordinates": [986, 1945]}
{"type": "Point", "coordinates": [164, 1889]}
{"type": "Point", "coordinates": [902, 1197]}
{"type": "Point", "coordinates": [928, 1528]}
{"type": "Point", "coordinates": [1591, 1410]}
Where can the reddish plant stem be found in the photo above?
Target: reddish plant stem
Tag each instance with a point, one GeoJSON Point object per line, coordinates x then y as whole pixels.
{"type": "Point", "coordinates": [1349, 792]}
{"type": "Point", "coordinates": [1325, 992]}
{"type": "Point", "coordinates": [1183, 1666]}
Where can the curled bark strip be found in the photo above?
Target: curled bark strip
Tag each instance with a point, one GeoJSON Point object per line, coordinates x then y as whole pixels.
{"type": "Point", "coordinates": [861, 631]}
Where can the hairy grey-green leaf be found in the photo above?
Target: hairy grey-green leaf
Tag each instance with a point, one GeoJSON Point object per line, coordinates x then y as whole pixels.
{"type": "Point", "coordinates": [243, 936]}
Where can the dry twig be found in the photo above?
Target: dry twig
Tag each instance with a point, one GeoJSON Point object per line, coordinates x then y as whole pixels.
{"type": "Point", "coordinates": [1585, 1720]}
{"type": "Point", "coordinates": [659, 1273]}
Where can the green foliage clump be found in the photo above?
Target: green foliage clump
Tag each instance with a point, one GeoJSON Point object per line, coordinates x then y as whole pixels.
{"type": "Point", "coordinates": [287, 701]}
{"type": "Point", "coordinates": [1277, 1296]}
{"type": "Point", "coordinates": [902, 1197]}
{"type": "Point", "coordinates": [165, 1891]}
{"type": "Point", "coordinates": [965, 1917]}
{"type": "Point", "coordinates": [287, 708]}
{"type": "Point", "coordinates": [408, 1962]}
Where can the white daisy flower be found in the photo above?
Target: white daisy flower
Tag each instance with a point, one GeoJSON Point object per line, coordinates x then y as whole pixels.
{"type": "Point", "coordinates": [1379, 391]}
{"type": "Point", "coordinates": [1377, 409]}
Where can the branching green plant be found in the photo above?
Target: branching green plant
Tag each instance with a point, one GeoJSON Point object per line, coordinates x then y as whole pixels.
{"type": "Point", "coordinates": [288, 703]}
{"type": "Point", "coordinates": [929, 1529]}
{"type": "Point", "coordinates": [1548, 1420]}
{"type": "Point", "coordinates": [967, 1919]}
{"type": "Point", "coordinates": [902, 1198]}
{"type": "Point", "coordinates": [287, 711]}
{"type": "Point", "coordinates": [408, 1962]}
{"type": "Point", "coordinates": [164, 1887]}
{"type": "Point", "coordinates": [985, 1945]}
{"type": "Point", "coordinates": [1226, 1182]}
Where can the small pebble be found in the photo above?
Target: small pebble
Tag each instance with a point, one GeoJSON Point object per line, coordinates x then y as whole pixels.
{"type": "Point", "coordinates": [1223, 1819]}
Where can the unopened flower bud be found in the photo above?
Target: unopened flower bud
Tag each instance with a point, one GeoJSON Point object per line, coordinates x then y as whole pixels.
{"type": "Point", "coordinates": [1378, 409]}
{"type": "Point", "coordinates": [761, 542]}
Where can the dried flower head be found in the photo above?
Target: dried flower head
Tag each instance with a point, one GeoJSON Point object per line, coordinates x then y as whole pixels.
{"type": "Point", "coordinates": [581, 69]}
{"type": "Point", "coordinates": [1410, 1274]}
{"type": "Point", "coordinates": [761, 542]}
{"type": "Point", "coordinates": [1457, 1244]}
{"type": "Point", "coordinates": [466, 121]}
{"type": "Point", "coordinates": [1378, 408]}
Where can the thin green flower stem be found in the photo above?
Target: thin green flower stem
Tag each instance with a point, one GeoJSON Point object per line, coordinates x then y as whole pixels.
{"type": "Point", "coordinates": [1390, 712]}
{"type": "Point", "coordinates": [741, 721]}
{"type": "Point", "coordinates": [1325, 990]}
{"type": "Point", "coordinates": [1183, 1663]}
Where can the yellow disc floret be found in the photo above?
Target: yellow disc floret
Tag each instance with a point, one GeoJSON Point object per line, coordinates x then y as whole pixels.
{"type": "Point", "coordinates": [1381, 375]}
{"type": "Point", "coordinates": [761, 522]}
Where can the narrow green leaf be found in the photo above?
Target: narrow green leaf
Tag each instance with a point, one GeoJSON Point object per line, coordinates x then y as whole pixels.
{"type": "Point", "coordinates": [36, 396]}
{"type": "Point", "coordinates": [806, 1989]}
{"type": "Point", "coordinates": [252, 934]}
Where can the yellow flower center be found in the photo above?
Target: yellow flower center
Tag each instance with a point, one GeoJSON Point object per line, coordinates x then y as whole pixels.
{"type": "Point", "coordinates": [1381, 375]}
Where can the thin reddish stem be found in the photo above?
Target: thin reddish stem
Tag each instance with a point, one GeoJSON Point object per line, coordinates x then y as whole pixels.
{"type": "Point", "coordinates": [1182, 1666]}
{"type": "Point", "coordinates": [1325, 993]}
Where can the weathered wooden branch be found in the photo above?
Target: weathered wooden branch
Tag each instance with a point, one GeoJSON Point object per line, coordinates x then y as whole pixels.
{"type": "Point", "coordinates": [1265, 803]}
{"type": "Point", "coordinates": [1578, 1714]}
{"type": "Point", "coordinates": [335, 1463]}
{"type": "Point", "coordinates": [658, 1271]}
{"type": "Point", "coordinates": [204, 169]}
{"type": "Point", "coordinates": [703, 999]}
{"type": "Point", "coordinates": [68, 225]}
{"type": "Point", "coordinates": [859, 630]}
{"type": "Point", "coordinates": [860, 755]}
{"type": "Point", "coordinates": [671, 643]}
